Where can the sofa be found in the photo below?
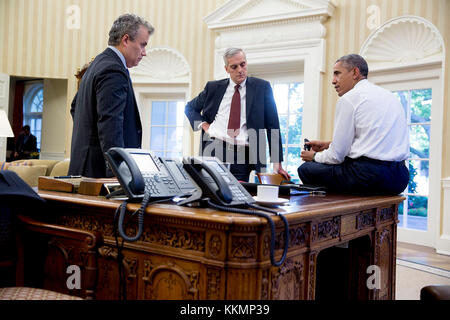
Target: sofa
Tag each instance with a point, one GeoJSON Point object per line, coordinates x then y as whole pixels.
{"type": "Point", "coordinates": [31, 170]}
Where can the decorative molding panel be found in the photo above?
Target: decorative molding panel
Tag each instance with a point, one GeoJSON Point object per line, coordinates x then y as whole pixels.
{"type": "Point", "coordinates": [405, 40]}
{"type": "Point", "coordinates": [443, 238]}
{"type": "Point", "coordinates": [161, 65]}
{"type": "Point", "coordinates": [239, 13]}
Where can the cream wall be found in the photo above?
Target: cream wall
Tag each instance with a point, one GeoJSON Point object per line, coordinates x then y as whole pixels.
{"type": "Point", "coordinates": [53, 140]}
{"type": "Point", "coordinates": [37, 43]}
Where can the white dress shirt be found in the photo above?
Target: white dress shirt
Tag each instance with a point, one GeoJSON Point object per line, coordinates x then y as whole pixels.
{"type": "Point", "coordinates": [369, 121]}
{"type": "Point", "coordinates": [122, 58]}
{"type": "Point", "coordinates": [218, 128]}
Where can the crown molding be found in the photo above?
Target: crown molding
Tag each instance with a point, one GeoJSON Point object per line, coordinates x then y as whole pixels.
{"type": "Point", "coordinates": [233, 13]}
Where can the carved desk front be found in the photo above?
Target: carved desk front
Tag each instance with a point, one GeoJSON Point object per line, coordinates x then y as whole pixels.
{"type": "Point", "coordinates": [193, 253]}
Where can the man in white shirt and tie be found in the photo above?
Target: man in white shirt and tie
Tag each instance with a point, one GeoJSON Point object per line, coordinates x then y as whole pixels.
{"type": "Point", "coordinates": [370, 140]}
{"type": "Point", "coordinates": [235, 115]}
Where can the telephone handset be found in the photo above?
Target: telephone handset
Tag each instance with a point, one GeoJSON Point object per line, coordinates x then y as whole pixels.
{"type": "Point", "coordinates": [216, 181]}
{"type": "Point", "coordinates": [139, 171]}
{"type": "Point", "coordinates": [143, 175]}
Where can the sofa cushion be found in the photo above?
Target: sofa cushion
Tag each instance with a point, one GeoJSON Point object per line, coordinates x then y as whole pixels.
{"type": "Point", "coordinates": [29, 174]}
{"type": "Point", "coordinates": [24, 293]}
{"type": "Point", "coordinates": [37, 162]}
{"type": "Point", "coordinates": [60, 169]}
{"type": "Point", "coordinates": [6, 165]}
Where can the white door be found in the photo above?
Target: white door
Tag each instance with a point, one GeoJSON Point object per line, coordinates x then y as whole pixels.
{"type": "Point", "coordinates": [422, 102]}
{"type": "Point", "coordinates": [4, 103]}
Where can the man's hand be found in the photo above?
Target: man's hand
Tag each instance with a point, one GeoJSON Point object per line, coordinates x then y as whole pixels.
{"type": "Point", "coordinates": [307, 155]}
{"type": "Point", "coordinates": [277, 168]}
{"type": "Point", "coordinates": [205, 126]}
{"type": "Point", "coordinates": [318, 146]}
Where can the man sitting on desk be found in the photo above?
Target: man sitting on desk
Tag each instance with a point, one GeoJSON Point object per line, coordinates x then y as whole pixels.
{"type": "Point", "coordinates": [370, 140]}
{"type": "Point", "coordinates": [234, 114]}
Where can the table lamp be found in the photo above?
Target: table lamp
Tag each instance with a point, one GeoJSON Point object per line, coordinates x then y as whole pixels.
{"type": "Point", "coordinates": [5, 131]}
{"type": "Point", "coordinates": [5, 127]}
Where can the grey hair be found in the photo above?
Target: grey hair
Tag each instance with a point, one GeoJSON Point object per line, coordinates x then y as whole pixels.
{"type": "Point", "coordinates": [230, 52]}
{"type": "Point", "coordinates": [127, 24]}
{"type": "Point", "coordinates": [355, 60]}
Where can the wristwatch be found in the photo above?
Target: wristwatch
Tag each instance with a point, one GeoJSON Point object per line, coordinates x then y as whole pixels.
{"type": "Point", "coordinates": [314, 157]}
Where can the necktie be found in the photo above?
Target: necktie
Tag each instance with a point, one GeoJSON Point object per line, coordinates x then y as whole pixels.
{"type": "Point", "coordinates": [234, 122]}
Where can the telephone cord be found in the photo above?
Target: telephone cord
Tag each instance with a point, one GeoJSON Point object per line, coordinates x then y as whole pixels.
{"type": "Point", "coordinates": [271, 224]}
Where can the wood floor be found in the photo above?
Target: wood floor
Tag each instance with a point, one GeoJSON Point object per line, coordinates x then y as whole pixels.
{"type": "Point", "coordinates": [417, 267]}
{"type": "Point", "coordinates": [422, 255]}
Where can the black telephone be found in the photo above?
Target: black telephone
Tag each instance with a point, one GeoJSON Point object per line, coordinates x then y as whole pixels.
{"type": "Point", "coordinates": [143, 175]}
{"type": "Point", "coordinates": [216, 181]}
{"type": "Point", "coordinates": [141, 170]}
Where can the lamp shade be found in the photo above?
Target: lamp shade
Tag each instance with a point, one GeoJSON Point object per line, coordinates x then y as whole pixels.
{"type": "Point", "coordinates": [5, 127]}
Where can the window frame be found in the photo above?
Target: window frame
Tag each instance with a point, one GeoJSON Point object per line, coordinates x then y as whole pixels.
{"type": "Point", "coordinates": [418, 77]}
{"type": "Point", "coordinates": [32, 89]}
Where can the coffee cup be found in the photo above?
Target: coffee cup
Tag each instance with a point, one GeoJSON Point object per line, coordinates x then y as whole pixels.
{"type": "Point", "coordinates": [267, 193]}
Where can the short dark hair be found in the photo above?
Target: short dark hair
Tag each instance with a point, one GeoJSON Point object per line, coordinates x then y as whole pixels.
{"type": "Point", "coordinates": [127, 24]}
{"type": "Point", "coordinates": [351, 61]}
{"type": "Point", "coordinates": [26, 128]}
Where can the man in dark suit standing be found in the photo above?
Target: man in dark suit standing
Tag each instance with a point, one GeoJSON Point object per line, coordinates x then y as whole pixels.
{"type": "Point", "coordinates": [235, 115]}
{"type": "Point", "coordinates": [26, 144]}
{"type": "Point", "coordinates": [104, 110]}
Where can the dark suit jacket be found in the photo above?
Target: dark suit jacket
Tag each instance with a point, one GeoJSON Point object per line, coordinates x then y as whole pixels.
{"type": "Point", "coordinates": [261, 113]}
{"type": "Point", "coordinates": [105, 115]}
{"type": "Point", "coordinates": [23, 146]}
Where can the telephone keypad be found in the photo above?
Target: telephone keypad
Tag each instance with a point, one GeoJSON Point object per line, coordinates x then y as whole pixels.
{"type": "Point", "coordinates": [155, 183]}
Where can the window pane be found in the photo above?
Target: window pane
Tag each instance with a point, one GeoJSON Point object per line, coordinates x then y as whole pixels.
{"type": "Point", "coordinates": [172, 118]}
{"type": "Point", "coordinates": [419, 136]}
{"type": "Point", "coordinates": [421, 105]}
{"type": "Point", "coordinates": [171, 138]}
{"type": "Point", "coordinates": [400, 214]}
{"type": "Point", "coordinates": [158, 113]}
{"type": "Point", "coordinates": [418, 177]}
{"type": "Point", "coordinates": [180, 113]}
{"type": "Point", "coordinates": [281, 96]}
{"type": "Point", "coordinates": [296, 97]}
{"type": "Point", "coordinates": [283, 128]}
{"type": "Point", "coordinates": [159, 153]}
{"type": "Point", "coordinates": [417, 212]}
{"type": "Point", "coordinates": [157, 138]}
{"type": "Point", "coordinates": [295, 128]}
{"type": "Point", "coordinates": [173, 155]}
{"type": "Point", "coordinates": [293, 162]}
{"type": "Point", "coordinates": [403, 96]}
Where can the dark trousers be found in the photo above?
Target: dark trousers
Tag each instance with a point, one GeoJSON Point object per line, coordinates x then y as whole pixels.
{"type": "Point", "coordinates": [236, 156]}
{"type": "Point", "coordinates": [357, 176]}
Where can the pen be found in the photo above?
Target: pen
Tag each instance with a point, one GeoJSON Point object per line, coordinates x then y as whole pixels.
{"type": "Point", "coordinates": [67, 177]}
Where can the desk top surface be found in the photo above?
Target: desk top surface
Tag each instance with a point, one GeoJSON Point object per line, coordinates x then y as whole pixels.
{"type": "Point", "coordinates": [303, 207]}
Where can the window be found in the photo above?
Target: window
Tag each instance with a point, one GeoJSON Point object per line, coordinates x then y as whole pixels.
{"type": "Point", "coordinates": [166, 129]}
{"type": "Point", "coordinates": [289, 100]}
{"type": "Point", "coordinates": [417, 105]}
{"type": "Point", "coordinates": [33, 104]}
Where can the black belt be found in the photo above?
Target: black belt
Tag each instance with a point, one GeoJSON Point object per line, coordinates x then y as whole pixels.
{"type": "Point", "coordinates": [230, 146]}
{"type": "Point", "coordinates": [381, 162]}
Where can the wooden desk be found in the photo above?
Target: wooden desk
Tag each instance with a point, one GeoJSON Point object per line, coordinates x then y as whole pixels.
{"type": "Point", "coordinates": [192, 253]}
